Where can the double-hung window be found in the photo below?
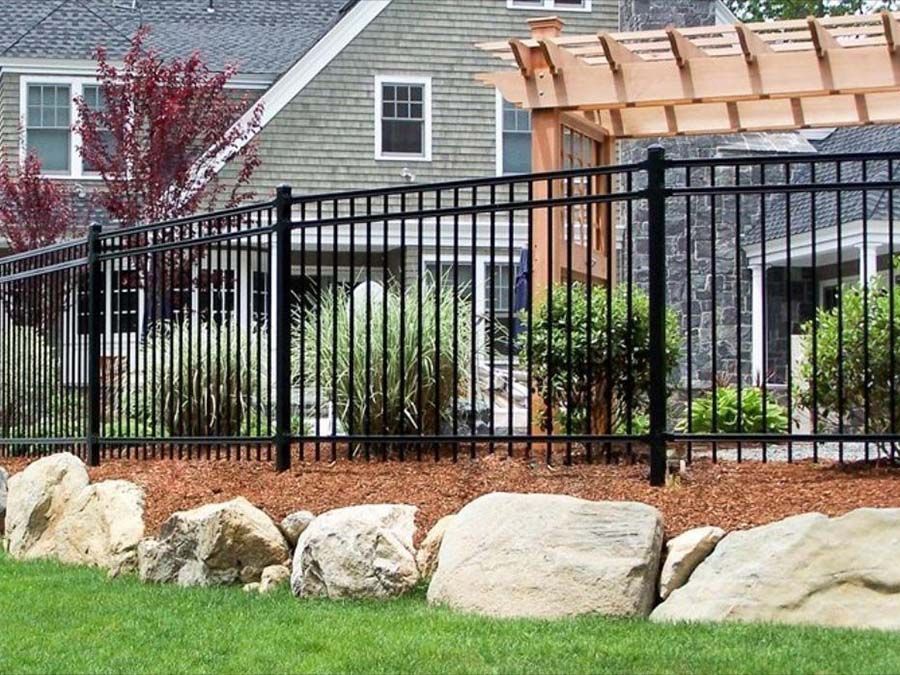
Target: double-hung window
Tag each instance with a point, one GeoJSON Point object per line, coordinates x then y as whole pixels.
{"type": "Point", "coordinates": [94, 99]}
{"type": "Point", "coordinates": [48, 126]}
{"type": "Point", "coordinates": [514, 138]}
{"type": "Point", "coordinates": [403, 118]}
{"type": "Point", "coordinates": [48, 117]}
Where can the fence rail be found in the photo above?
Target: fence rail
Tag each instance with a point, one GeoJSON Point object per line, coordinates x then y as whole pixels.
{"type": "Point", "coordinates": [729, 307]}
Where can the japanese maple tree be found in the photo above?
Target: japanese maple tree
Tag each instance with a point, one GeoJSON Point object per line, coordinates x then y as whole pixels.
{"type": "Point", "coordinates": [158, 135]}
{"type": "Point", "coordinates": [34, 211]}
{"type": "Point", "coordinates": [163, 130]}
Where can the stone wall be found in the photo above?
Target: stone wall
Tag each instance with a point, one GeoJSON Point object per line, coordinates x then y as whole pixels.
{"type": "Point", "coordinates": [706, 303]}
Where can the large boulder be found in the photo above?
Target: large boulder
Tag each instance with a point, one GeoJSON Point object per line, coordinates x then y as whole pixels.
{"type": "Point", "coordinates": [38, 499]}
{"type": "Point", "coordinates": [357, 552]}
{"type": "Point", "coordinates": [214, 544]}
{"type": "Point", "coordinates": [427, 556]}
{"type": "Point", "coordinates": [808, 569]}
{"type": "Point", "coordinates": [517, 555]}
{"type": "Point", "coordinates": [683, 554]}
{"type": "Point", "coordinates": [102, 526]}
{"type": "Point", "coordinates": [4, 478]}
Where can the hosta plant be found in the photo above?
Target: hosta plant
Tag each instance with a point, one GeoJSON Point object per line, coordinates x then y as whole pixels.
{"type": "Point", "coordinates": [736, 412]}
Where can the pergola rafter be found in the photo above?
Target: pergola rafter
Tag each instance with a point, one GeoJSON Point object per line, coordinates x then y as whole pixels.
{"type": "Point", "coordinates": [712, 79]}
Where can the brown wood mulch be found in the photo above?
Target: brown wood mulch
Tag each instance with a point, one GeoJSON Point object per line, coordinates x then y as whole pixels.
{"type": "Point", "coordinates": [730, 495]}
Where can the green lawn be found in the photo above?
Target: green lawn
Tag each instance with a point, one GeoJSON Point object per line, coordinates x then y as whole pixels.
{"type": "Point", "coordinates": [66, 620]}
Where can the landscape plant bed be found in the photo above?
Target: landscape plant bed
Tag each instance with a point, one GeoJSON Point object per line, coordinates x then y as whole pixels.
{"type": "Point", "coordinates": [726, 494]}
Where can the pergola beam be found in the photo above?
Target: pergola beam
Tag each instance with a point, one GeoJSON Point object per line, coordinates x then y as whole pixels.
{"type": "Point", "coordinates": [778, 75]}
{"type": "Point", "coordinates": [821, 38]}
{"type": "Point", "coordinates": [682, 48]}
{"type": "Point", "coordinates": [891, 28]}
{"type": "Point", "coordinates": [615, 52]}
{"type": "Point", "coordinates": [751, 44]}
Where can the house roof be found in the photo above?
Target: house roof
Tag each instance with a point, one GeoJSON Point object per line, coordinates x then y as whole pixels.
{"type": "Point", "coordinates": [260, 36]}
{"type": "Point", "coordinates": [853, 205]}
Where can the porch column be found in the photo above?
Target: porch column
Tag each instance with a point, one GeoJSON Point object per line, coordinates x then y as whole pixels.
{"type": "Point", "coordinates": [758, 325]}
{"type": "Point", "coordinates": [868, 263]}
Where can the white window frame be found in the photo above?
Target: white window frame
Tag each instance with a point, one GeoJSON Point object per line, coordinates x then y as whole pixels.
{"type": "Point", "coordinates": [548, 5]}
{"type": "Point", "coordinates": [76, 90]}
{"type": "Point", "coordinates": [422, 80]}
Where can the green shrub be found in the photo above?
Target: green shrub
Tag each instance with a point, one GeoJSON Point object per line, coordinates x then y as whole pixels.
{"type": "Point", "coordinates": [326, 330]}
{"type": "Point", "coordinates": [842, 343]}
{"type": "Point", "coordinates": [752, 418]}
{"type": "Point", "coordinates": [623, 351]}
{"type": "Point", "coordinates": [203, 378]}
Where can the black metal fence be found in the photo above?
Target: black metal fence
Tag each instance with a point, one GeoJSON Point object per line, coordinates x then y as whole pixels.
{"type": "Point", "coordinates": [663, 308]}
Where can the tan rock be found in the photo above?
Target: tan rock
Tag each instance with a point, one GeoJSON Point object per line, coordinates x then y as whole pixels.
{"type": "Point", "coordinates": [357, 552]}
{"type": "Point", "coordinates": [427, 556]}
{"type": "Point", "coordinates": [294, 524]}
{"type": "Point", "coordinates": [518, 555]}
{"type": "Point", "coordinates": [683, 554]}
{"type": "Point", "coordinates": [214, 544]}
{"type": "Point", "coordinates": [38, 499]}
{"type": "Point", "coordinates": [808, 569]}
{"type": "Point", "coordinates": [273, 577]}
{"type": "Point", "coordinates": [102, 526]}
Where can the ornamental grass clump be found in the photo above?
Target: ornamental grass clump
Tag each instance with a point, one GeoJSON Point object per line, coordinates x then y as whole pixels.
{"type": "Point", "coordinates": [197, 378]}
{"type": "Point", "coordinates": [392, 365]}
{"type": "Point", "coordinates": [31, 400]}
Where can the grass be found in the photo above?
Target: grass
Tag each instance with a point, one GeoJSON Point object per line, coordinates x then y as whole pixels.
{"type": "Point", "coordinates": [72, 620]}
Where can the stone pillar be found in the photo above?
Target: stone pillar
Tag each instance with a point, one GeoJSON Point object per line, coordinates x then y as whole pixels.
{"type": "Point", "coordinates": [651, 14]}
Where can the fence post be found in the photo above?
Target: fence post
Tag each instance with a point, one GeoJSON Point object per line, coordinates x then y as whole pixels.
{"type": "Point", "coordinates": [281, 281]}
{"type": "Point", "coordinates": [95, 283]}
{"type": "Point", "coordinates": [656, 216]}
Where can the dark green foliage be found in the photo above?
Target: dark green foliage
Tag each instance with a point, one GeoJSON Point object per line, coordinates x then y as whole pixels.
{"type": "Point", "coordinates": [853, 360]}
{"type": "Point", "coordinates": [761, 10]}
{"type": "Point", "coordinates": [752, 419]}
{"type": "Point", "coordinates": [596, 355]}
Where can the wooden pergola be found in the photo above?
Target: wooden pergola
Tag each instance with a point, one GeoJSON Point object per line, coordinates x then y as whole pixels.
{"type": "Point", "coordinates": [772, 76]}
{"type": "Point", "coordinates": [587, 91]}
{"type": "Point", "coordinates": [718, 79]}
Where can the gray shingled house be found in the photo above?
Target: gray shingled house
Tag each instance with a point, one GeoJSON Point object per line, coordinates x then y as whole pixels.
{"type": "Point", "coordinates": [356, 94]}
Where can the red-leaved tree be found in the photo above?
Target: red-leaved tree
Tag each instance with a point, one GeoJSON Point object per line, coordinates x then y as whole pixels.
{"type": "Point", "coordinates": [163, 131]}
{"type": "Point", "coordinates": [34, 212]}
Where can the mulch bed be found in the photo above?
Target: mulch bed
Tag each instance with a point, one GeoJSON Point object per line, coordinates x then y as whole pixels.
{"type": "Point", "coordinates": [730, 495]}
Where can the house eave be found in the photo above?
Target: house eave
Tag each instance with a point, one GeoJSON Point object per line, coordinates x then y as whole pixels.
{"type": "Point", "coordinates": [88, 68]}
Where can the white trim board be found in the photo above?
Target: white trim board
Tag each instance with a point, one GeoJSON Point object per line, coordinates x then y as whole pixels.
{"type": "Point", "coordinates": [854, 235]}
{"type": "Point", "coordinates": [547, 6]}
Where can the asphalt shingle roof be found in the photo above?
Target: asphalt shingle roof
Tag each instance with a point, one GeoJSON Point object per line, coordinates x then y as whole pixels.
{"type": "Point", "coordinates": [260, 36]}
{"type": "Point", "coordinates": [825, 208]}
